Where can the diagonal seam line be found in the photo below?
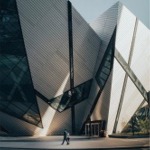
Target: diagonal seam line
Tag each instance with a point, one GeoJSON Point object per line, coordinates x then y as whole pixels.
{"type": "Point", "coordinates": [131, 74]}
{"type": "Point", "coordinates": [126, 77]}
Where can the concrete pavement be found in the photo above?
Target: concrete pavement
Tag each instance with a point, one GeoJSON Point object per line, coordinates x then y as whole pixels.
{"type": "Point", "coordinates": [77, 142]}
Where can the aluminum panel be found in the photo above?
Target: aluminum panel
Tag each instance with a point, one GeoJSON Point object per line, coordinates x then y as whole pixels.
{"type": "Point", "coordinates": [16, 126]}
{"type": "Point", "coordinates": [36, 10]}
{"type": "Point", "coordinates": [116, 89]}
{"type": "Point", "coordinates": [141, 56]}
{"type": "Point", "coordinates": [100, 111]}
{"type": "Point", "coordinates": [82, 114]}
{"type": "Point", "coordinates": [125, 31]}
{"type": "Point", "coordinates": [104, 27]}
{"type": "Point", "coordinates": [132, 100]}
{"type": "Point", "coordinates": [47, 115]}
{"type": "Point", "coordinates": [60, 122]}
{"type": "Point", "coordinates": [48, 58]}
{"type": "Point", "coordinates": [131, 74]}
{"type": "Point", "coordinates": [79, 114]}
{"type": "Point", "coordinates": [86, 46]}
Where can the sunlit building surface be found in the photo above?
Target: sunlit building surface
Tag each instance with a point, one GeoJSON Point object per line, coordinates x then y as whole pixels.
{"type": "Point", "coordinates": [58, 72]}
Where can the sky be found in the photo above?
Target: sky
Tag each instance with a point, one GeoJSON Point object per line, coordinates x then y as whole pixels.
{"type": "Point", "coordinates": [91, 9]}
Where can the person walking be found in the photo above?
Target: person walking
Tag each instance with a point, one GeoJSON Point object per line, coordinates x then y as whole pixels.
{"type": "Point", "coordinates": [66, 137]}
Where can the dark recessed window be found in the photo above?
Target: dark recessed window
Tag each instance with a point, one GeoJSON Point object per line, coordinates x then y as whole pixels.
{"type": "Point", "coordinates": [70, 97]}
{"type": "Point", "coordinates": [107, 63]}
{"type": "Point", "coordinates": [17, 97]}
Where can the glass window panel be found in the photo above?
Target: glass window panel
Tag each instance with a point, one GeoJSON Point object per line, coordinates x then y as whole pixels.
{"type": "Point", "coordinates": [107, 63]}
{"type": "Point", "coordinates": [28, 92]}
{"type": "Point", "coordinates": [27, 104]}
{"type": "Point", "coordinates": [31, 116]}
{"type": "Point", "coordinates": [108, 59]}
{"type": "Point", "coordinates": [6, 90]}
{"type": "Point", "coordinates": [17, 74]}
{"type": "Point", "coordinates": [28, 77]}
{"type": "Point", "coordinates": [18, 96]}
{"type": "Point", "coordinates": [3, 104]}
{"type": "Point", "coordinates": [20, 105]}
{"type": "Point", "coordinates": [102, 82]}
{"type": "Point", "coordinates": [67, 100]}
{"type": "Point", "coordinates": [106, 71]}
{"type": "Point", "coordinates": [2, 76]}
{"type": "Point", "coordinates": [13, 59]}
{"type": "Point", "coordinates": [103, 76]}
{"type": "Point", "coordinates": [4, 69]}
{"type": "Point", "coordinates": [110, 51]}
{"type": "Point", "coordinates": [34, 108]}
{"type": "Point", "coordinates": [55, 102]}
{"type": "Point", "coordinates": [7, 62]}
{"type": "Point", "coordinates": [8, 81]}
{"type": "Point", "coordinates": [15, 110]}
{"type": "Point", "coordinates": [16, 84]}
{"type": "Point", "coordinates": [25, 80]}
{"type": "Point", "coordinates": [22, 66]}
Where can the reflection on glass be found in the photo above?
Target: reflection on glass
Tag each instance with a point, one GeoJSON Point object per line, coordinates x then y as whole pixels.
{"type": "Point", "coordinates": [16, 89]}
{"type": "Point", "coordinates": [68, 99]}
{"type": "Point", "coordinates": [107, 63]}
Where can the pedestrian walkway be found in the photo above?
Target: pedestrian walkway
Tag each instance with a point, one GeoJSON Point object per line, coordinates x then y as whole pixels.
{"type": "Point", "coordinates": [76, 142]}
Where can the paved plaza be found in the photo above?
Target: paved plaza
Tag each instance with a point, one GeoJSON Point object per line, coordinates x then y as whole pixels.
{"type": "Point", "coordinates": [77, 142]}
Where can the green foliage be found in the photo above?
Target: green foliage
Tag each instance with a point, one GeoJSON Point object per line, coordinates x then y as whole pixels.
{"type": "Point", "coordinates": [139, 122]}
{"type": "Point", "coordinates": [144, 125]}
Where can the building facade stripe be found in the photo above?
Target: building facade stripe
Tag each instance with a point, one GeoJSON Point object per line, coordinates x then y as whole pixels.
{"type": "Point", "coordinates": [126, 78]}
{"type": "Point", "coordinates": [131, 74]}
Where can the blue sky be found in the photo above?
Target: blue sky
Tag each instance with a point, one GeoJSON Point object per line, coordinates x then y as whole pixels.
{"type": "Point", "coordinates": [91, 9]}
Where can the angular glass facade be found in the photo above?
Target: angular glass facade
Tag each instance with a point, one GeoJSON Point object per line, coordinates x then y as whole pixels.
{"type": "Point", "coordinates": [66, 100]}
{"type": "Point", "coordinates": [107, 63]}
{"type": "Point", "coordinates": [17, 97]}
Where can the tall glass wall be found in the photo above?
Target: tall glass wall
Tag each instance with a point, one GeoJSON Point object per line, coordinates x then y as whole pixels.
{"type": "Point", "coordinates": [17, 96]}
{"type": "Point", "coordinates": [107, 63]}
{"type": "Point", "coordinates": [68, 98]}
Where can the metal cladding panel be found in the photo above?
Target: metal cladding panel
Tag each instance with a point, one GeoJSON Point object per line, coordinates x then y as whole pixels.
{"type": "Point", "coordinates": [132, 100]}
{"type": "Point", "coordinates": [46, 41]}
{"type": "Point", "coordinates": [15, 126]}
{"type": "Point", "coordinates": [102, 107]}
{"type": "Point", "coordinates": [19, 127]}
{"type": "Point", "coordinates": [141, 56]}
{"type": "Point", "coordinates": [35, 8]}
{"type": "Point", "coordinates": [116, 89]}
{"type": "Point", "coordinates": [45, 30]}
{"type": "Point", "coordinates": [86, 45]}
{"type": "Point", "coordinates": [83, 109]}
{"type": "Point", "coordinates": [60, 122]}
{"type": "Point", "coordinates": [125, 29]}
{"type": "Point", "coordinates": [80, 110]}
{"type": "Point", "coordinates": [47, 115]}
{"type": "Point", "coordinates": [104, 27]}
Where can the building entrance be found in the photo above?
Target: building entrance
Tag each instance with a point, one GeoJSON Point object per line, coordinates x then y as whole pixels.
{"type": "Point", "coordinates": [95, 128]}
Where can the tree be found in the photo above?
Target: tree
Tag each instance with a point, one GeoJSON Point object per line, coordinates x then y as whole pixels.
{"type": "Point", "coordinates": [144, 125]}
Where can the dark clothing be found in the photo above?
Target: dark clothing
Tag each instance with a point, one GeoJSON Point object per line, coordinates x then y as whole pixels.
{"type": "Point", "coordinates": [66, 137]}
